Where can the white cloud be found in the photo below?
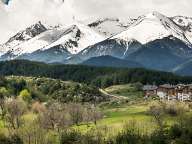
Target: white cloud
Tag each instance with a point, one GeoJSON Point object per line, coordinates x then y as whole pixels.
{"type": "Point", "coordinates": [22, 13]}
{"type": "Point", "coordinates": [51, 11]}
{"type": "Point", "coordinates": [127, 8]}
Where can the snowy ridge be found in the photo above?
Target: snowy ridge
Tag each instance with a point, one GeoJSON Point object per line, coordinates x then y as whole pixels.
{"type": "Point", "coordinates": [23, 37]}
{"type": "Point", "coordinates": [110, 26]}
{"type": "Point", "coordinates": [182, 21]}
{"type": "Point", "coordinates": [39, 42]}
{"type": "Point", "coordinates": [73, 38]}
{"type": "Point", "coordinates": [151, 27]}
{"type": "Point", "coordinates": [28, 33]}
{"type": "Point", "coordinates": [76, 38]}
{"type": "Point", "coordinates": [186, 24]}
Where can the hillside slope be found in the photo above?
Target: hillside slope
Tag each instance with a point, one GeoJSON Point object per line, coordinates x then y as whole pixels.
{"type": "Point", "coordinates": [109, 61]}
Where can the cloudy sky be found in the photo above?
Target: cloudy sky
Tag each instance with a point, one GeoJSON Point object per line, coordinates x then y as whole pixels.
{"type": "Point", "coordinates": [22, 13]}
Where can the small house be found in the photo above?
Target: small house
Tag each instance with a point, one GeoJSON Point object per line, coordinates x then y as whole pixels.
{"type": "Point", "coordinates": [150, 90]}
{"type": "Point", "coordinates": [183, 92]}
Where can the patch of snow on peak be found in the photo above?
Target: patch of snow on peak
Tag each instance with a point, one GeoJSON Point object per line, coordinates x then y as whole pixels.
{"type": "Point", "coordinates": [110, 26]}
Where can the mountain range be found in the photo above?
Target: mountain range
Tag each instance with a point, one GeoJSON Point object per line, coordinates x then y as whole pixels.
{"type": "Point", "coordinates": [153, 41]}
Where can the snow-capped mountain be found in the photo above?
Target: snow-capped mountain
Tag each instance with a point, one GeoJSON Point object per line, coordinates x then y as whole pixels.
{"type": "Point", "coordinates": [153, 40]}
{"type": "Point", "coordinates": [145, 29]}
{"type": "Point", "coordinates": [151, 27]}
{"type": "Point", "coordinates": [110, 26]}
{"type": "Point", "coordinates": [73, 38]}
{"type": "Point", "coordinates": [19, 42]}
{"type": "Point", "coordinates": [76, 38]}
{"type": "Point", "coordinates": [27, 34]}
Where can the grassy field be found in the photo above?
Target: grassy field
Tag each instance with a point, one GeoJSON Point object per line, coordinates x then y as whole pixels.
{"type": "Point", "coordinates": [117, 114]}
{"type": "Point", "coordinates": [117, 117]}
{"type": "Point", "coordinates": [128, 91]}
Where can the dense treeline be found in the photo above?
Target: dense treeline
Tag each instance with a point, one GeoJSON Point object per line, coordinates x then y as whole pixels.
{"type": "Point", "coordinates": [101, 77]}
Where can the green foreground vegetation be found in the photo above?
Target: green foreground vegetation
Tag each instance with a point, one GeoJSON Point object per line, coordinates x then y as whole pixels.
{"type": "Point", "coordinates": [50, 111]}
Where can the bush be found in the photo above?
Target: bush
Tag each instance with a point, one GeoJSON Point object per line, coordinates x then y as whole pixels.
{"type": "Point", "coordinates": [130, 135]}
{"type": "Point", "coordinates": [182, 131]}
{"type": "Point", "coordinates": [15, 140]}
{"type": "Point", "coordinates": [159, 137]}
{"type": "Point", "coordinates": [170, 108]}
{"type": "Point", "coordinates": [175, 131]}
{"type": "Point", "coordinates": [10, 140]}
{"type": "Point", "coordinates": [4, 140]}
{"type": "Point", "coordinates": [37, 107]}
{"type": "Point", "coordinates": [75, 137]}
{"type": "Point", "coordinates": [175, 108]}
{"type": "Point", "coordinates": [25, 95]}
{"type": "Point", "coordinates": [70, 137]}
{"type": "Point", "coordinates": [155, 109]}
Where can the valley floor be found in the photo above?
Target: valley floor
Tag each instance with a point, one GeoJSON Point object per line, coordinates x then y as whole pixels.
{"type": "Point", "coordinates": [127, 109]}
{"type": "Point", "coordinates": [129, 106]}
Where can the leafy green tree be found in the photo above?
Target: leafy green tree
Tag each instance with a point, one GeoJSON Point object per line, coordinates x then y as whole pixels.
{"type": "Point", "coordinates": [25, 95]}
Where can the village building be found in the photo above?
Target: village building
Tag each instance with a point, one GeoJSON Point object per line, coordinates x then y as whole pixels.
{"type": "Point", "coordinates": [184, 92]}
{"type": "Point", "coordinates": [169, 92]}
{"type": "Point", "coordinates": [150, 90]}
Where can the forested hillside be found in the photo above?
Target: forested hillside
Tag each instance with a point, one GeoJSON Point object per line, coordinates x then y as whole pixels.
{"type": "Point", "coordinates": [100, 77]}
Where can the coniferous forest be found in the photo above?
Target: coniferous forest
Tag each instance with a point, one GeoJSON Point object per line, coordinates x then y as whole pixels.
{"type": "Point", "coordinates": [97, 76]}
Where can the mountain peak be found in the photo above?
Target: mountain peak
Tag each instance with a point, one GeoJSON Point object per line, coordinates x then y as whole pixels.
{"type": "Point", "coordinates": [28, 33]}
{"type": "Point", "coordinates": [153, 26]}
{"type": "Point", "coordinates": [76, 37]}
{"type": "Point", "coordinates": [155, 15]}
{"type": "Point", "coordinates": [38, 25]}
